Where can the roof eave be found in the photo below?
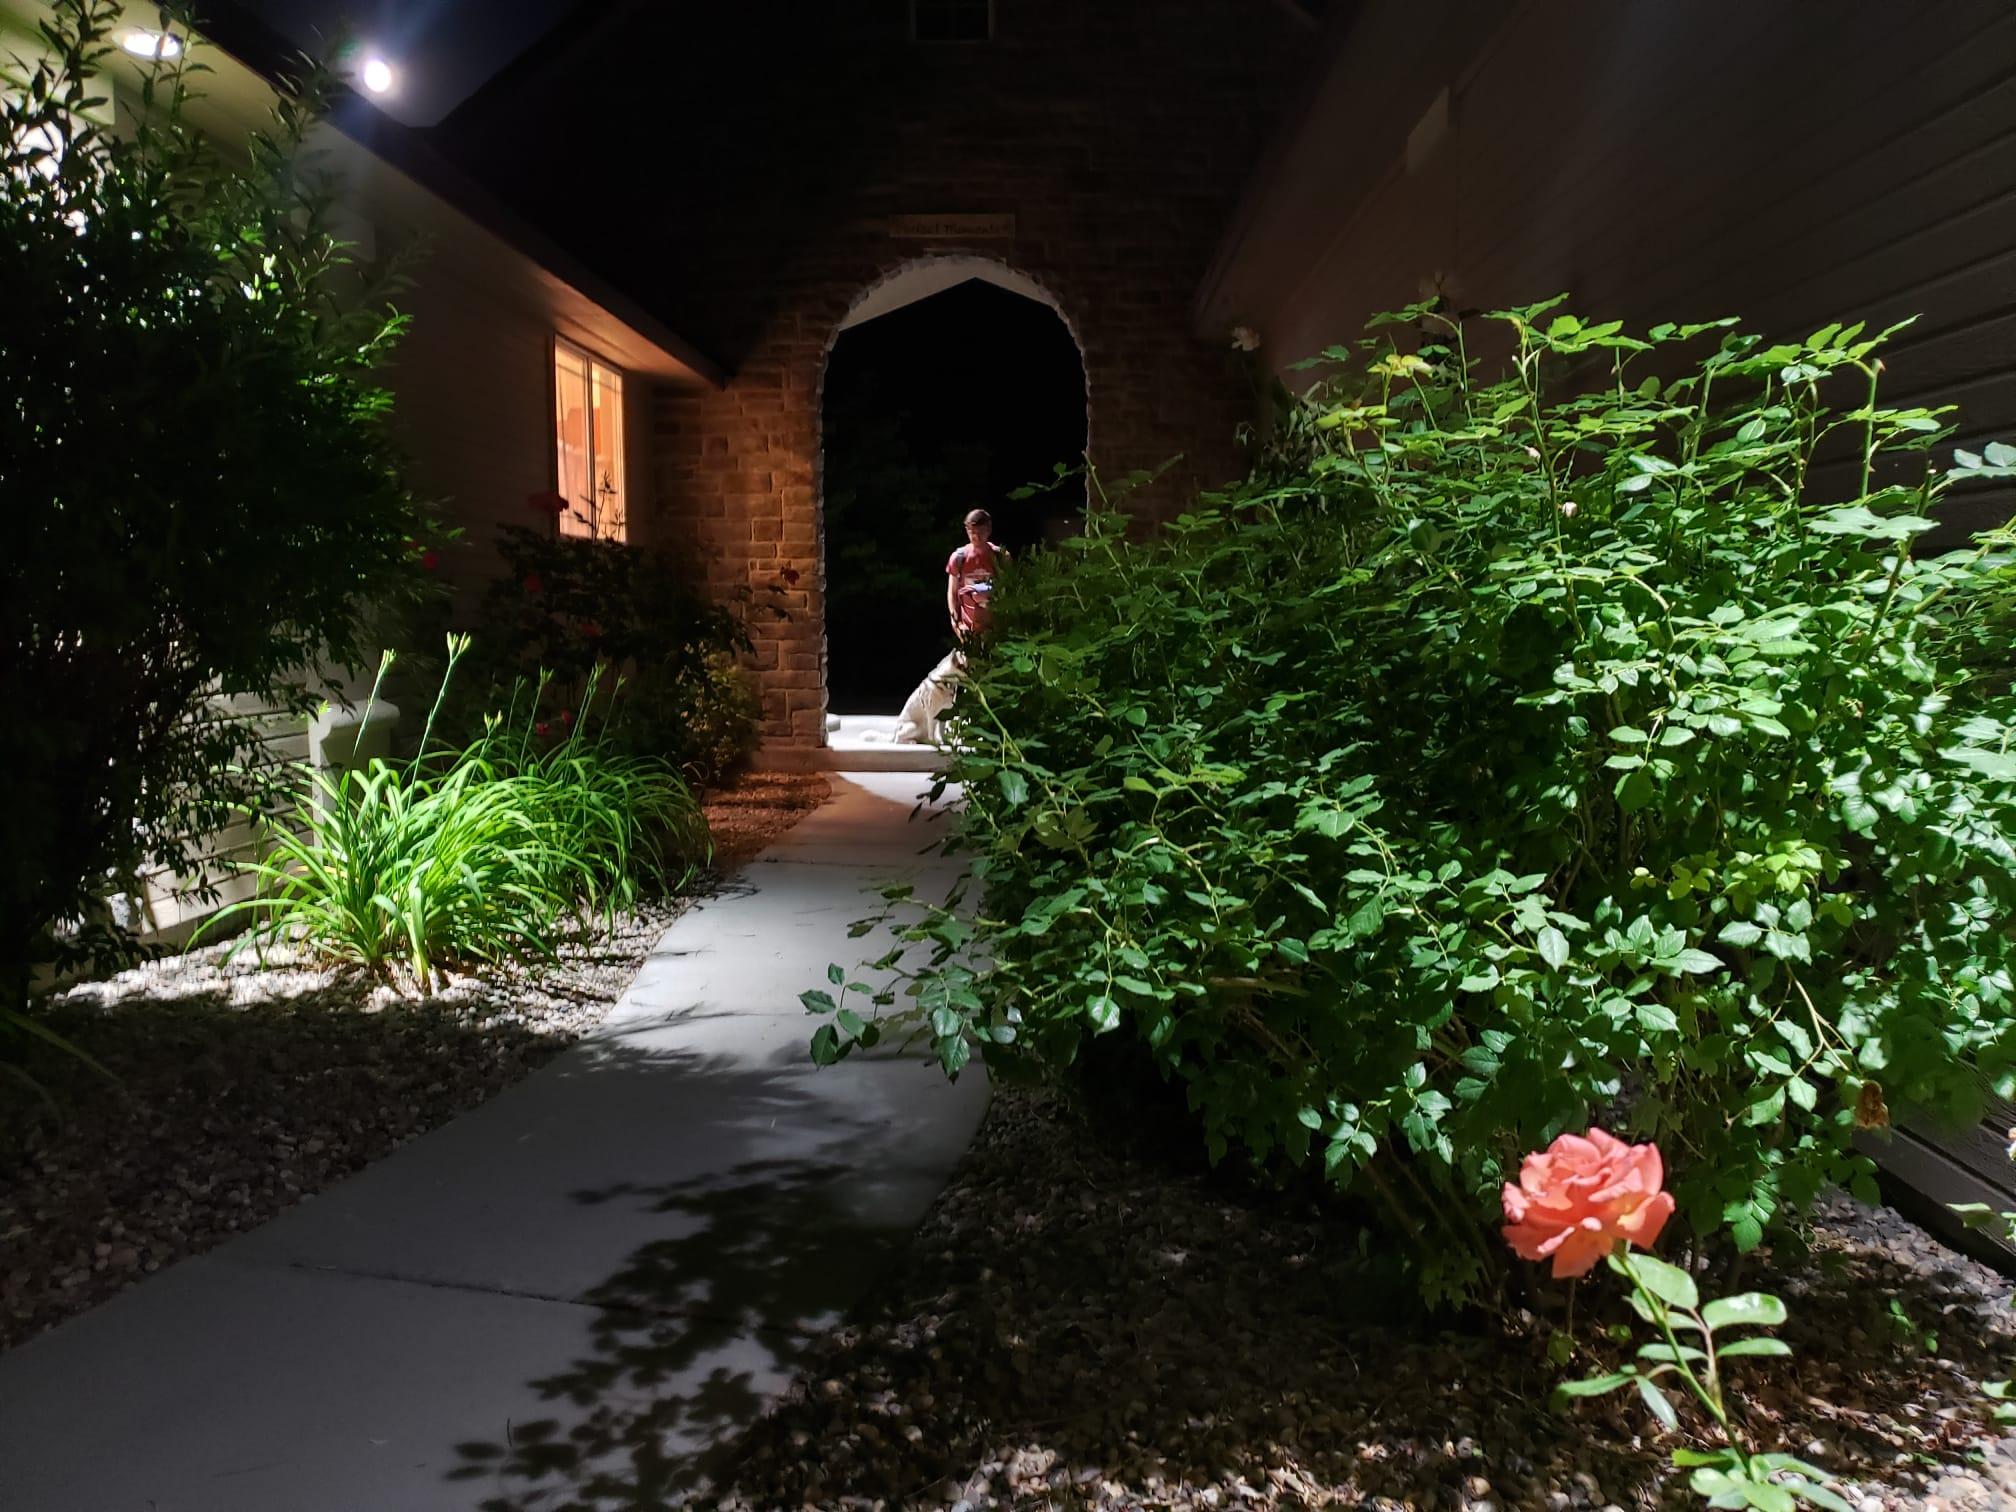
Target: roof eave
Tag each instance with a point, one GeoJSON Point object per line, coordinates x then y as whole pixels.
{"type": "Point", "coordinates": [255, 45]}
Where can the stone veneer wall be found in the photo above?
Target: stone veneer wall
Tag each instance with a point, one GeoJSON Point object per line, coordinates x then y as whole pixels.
{"type": "Point", "coordinates": [1120, 151]}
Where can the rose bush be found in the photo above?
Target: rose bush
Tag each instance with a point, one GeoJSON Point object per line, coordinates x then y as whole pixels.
{"type": "Point", "coordinates": [1596, 744]}
{"type": "Point", "coordinates": [568, 606]}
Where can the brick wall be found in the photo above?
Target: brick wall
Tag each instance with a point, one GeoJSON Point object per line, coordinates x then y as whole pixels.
{"type": "Point", "coordinates": [1118, 134]}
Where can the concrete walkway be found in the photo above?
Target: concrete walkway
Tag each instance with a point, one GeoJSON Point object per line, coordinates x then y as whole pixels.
{"type": "Point", "coordinates": [563, 1298]}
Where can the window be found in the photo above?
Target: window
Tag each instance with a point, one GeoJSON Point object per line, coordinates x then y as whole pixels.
{"type": "Point", "coordinates": [588, 444]}
{"type": "Point", "coordinates": [951, 20]}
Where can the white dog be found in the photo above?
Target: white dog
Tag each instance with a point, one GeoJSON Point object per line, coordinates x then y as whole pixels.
{"type": "Point", "coordinates": [918, 723]}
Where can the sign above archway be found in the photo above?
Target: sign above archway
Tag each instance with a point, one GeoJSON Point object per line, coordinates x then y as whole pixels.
{"type": "Point", "coordinates": [953, 227]}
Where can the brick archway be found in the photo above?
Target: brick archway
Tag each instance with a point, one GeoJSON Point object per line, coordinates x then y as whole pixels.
{"type": "Point", "coordinates": [738, 477]}
{"type": "Point", "coordinates": [901, 284]}
{"type": "Point", "coordinates": [1072, 149]}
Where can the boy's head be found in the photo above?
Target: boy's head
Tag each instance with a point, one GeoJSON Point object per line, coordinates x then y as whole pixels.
{"type": "Point", "coordinates": [979, 526]}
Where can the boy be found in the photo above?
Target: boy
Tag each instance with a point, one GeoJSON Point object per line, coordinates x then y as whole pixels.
{"type": "Point", "coordinates": [969, 584]}
{"type": "Point", "coordinates": [969, 576]}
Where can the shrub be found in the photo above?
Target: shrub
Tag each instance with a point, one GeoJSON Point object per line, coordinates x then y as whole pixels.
{"type": "Point", "coordinates": [568, 606]}
{"type": "Point", "coordinates": [1507, 756]}
{"type": "Point", "coordinates": [718, 714]}
{"type": "Point", "coordinates": [200, 492]}
{"type": "Point", "coordinates": [472, 854]}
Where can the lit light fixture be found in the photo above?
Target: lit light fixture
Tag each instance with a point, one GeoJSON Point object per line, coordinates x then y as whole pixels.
{"type": "Point", "coordinates": [152, 44]}
{"type": "Point", "coordinates": [377, 75]}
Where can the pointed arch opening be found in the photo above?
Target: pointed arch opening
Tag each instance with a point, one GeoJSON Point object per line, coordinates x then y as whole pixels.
{"type": "Point", "coordinates": [949, 385]}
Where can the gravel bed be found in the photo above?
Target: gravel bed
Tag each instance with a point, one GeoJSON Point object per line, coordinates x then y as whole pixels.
{"type": "Point", "coordinates": [1075, 1328]}
{"type": "Point", "coordinates": [239, 1088]}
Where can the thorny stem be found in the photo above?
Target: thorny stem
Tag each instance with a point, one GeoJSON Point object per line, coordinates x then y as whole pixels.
{"type": "Point", "coordinates": [1875, 371]}
{"type": "Point", "coordinates": [1708, 1393]}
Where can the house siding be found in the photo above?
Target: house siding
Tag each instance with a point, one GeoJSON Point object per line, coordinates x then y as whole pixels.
{"type": "Point", "coordinates": [1783, 163]}
{"type": "Point", "coordinates": [474, 412]}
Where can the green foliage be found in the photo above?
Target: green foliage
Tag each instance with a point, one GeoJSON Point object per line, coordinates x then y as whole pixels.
{"type": "Point", "coordinates": [200, 492]}
{"type": "Point", "coordinates": [1666, 1297]}
{"type": "Point", "coordinates": [478, 854]}
{"type": "Point", "coordinates": [719, 716]}
{"type": "Point", "coordinates": [1585, 745]}
{"type": "Point", "coordinates": [569, 606]}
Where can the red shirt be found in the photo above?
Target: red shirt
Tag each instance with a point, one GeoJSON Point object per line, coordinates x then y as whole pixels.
{"type": "Point", "coordinates": [971, 569]}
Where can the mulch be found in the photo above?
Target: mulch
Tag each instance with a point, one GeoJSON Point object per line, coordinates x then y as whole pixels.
{"type": "Point", "coordinates": [758, 808]}
{"type": "Point", "coordinates": [1075, 1326]}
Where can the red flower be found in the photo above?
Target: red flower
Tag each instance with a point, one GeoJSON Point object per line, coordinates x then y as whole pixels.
{"type": "Point", "coordinates": [541, 728]}
{"type": "Point", "coordinates": [590, 630]}
{"type": "Point", "coordinates": [429, 561]}
{"type": "Point", "coordinates": [791, 574]}
{"type": "Point", "coordinates": [1580, 1198]}
{"type": "Point", "coordinates": [566, 716]}
{"type": "Point", "coordinates": [547, 502]}
{"type": "Point", "coordinates": [532, 583]}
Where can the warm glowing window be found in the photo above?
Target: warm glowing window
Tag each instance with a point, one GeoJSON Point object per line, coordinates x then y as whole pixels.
{"type": "Point", "coordinates": [588, 444]}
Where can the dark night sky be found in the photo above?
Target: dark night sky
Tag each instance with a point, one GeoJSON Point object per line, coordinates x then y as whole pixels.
{"type": "Point", "coordinates": [942, 406]}
{"type": "Point", "coordinates": [442, 50]}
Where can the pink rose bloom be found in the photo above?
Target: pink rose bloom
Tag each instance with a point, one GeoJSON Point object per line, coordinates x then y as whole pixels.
{"type": "Point", "coordinates": [1580, 1196]}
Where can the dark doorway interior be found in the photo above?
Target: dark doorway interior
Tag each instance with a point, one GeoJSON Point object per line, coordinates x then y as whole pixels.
{"type": "Point", "coordinates": [942, 406]}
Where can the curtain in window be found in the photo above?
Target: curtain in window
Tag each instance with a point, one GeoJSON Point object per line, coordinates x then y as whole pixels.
{"type": "Point", "coordinates": [607, 452]}
{"type": "Point", "coordinates": [573, 440]}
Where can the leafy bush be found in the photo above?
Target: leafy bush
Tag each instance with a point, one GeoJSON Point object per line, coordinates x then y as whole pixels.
{"type": "Point", "coordinates": [568, 606]}
{"type": "Point", "coordinates": [200, 491]}
{"type": "Point", "coordinates": [1506, 756]}
{"type": "Point", "coordinates": [722, 716]}
{"type": "Point", "coordinates": [476, 854]}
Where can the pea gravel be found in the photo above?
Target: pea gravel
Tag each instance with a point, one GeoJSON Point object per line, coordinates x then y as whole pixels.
{"type": "Point", "coordinates": [1073, 1327]}
{"type": "Point", "coordinates": [237, 1089]}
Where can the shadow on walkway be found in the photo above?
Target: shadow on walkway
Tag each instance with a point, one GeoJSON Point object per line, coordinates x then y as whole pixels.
{"type": "Point", "coordinates": [697, 1332]}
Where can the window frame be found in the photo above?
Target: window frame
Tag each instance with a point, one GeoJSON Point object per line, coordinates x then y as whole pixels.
{"type": "Point", "coordinates": [917, 41]}
{"type": "Point", "coordinates": [593, 361]}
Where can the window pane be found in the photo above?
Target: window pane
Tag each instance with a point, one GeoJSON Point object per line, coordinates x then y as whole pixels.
{"type": "Point", "coordinates": [609, 515]}
{"type": "Point", "coordinates": [572, 440]}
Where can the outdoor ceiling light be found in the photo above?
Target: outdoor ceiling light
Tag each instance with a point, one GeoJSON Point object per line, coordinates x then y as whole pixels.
{"type": "Point", "coordinates": [152, 44]}
{"type": "Point", "coordinates": [377, 75]}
